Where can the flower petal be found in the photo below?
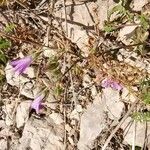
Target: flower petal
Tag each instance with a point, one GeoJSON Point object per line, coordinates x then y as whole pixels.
{"type": "Point", "coordinates": [110, 83]}
{"type": "Point", "coordinates": [21, 64]}
{"type": "Point", "coordinates": [37, 104]}
{"type": "Point", "coordinates": [116, 86]}
{"type": "Point", "coordinates": [106, 83]}
{"type": "Point", "coordinates": [15, 62]}
{"type": "Point", "coordinates": [27, 60]}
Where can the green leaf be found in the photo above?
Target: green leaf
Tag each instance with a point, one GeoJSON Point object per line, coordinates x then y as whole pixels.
{"type": "Point", "coordinates": [58, 90]}
{"type": "Point", "coordinates": [2, 77]}
{"type": "Point", "coordinates": [3, 57]}
{"type": "Point", "coordinates": [4, 43]}
{"type": "Point", "coordinates": [9, 27]}
{"type": "Point", "coordinates": [144, 21]}
{"type": "Point", "coordinates": [118, 8]}
{"type": "Point", "coordinates": [146, 98]}
{"type": "Point", "coordinates": [57, 72]}
{"type": "Point", "coordinates": [108, 28]}
{"type": "Point", "coordinates": [141, 116]}
{"type": "Point", "coordinates": [122, 12]}
{"type": "Point", "coordinates": [145, 82]}
{"type": "Point", "coordinates": [53, 63]}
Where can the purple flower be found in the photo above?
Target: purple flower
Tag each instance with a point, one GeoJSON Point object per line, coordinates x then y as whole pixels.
{"type": "Point", "coordinates": [106, 83]}
{"type": "Point", "coordinates": [116, 86]}
{"type": "Point", "coordinates": [110, 83]}
{"type": "Point", "coordinates": [21, 64]}
{"type": "Point", "coordinates": [37, 104]}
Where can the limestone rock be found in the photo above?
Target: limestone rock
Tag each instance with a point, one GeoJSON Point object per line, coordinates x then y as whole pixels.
{"type": "Point", "coordinates": [138, 4]}
{"type": "Point", "coordinates": [22, 113]}
{"type": "Point", "coordinates": [39, 135]}
{"type": "Point", "coordinates": [57, 118]}
{"type": "Point", "coordinates": [112, 103]}
{"type": "Point", "coordinates": [140, 132]}
{"type": "Point", "coordinates": [92, 123]}
{"type": "Point", "coordinates": [126, 33]}
{"type": "Point", "coordinates": [27, 90]}
{"type": "Point", "coordinates": [9, 109]}
{"type": "Point", "coordinates": [102, 8]}
{"type": "Point", "coordinates": [3, 144]}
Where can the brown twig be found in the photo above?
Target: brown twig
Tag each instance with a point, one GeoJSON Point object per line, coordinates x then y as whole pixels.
{"type": "Point", "coordinates": [18, 39]}
{"type": "Point", "coordinates": [65, 12]}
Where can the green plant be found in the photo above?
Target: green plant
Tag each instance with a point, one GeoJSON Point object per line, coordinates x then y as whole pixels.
{"type": "Point", "coordinates": [53, 63]}
{"type": "Point", "coordinates": [121, 14]}
{"type": "Point", "coordinates": [144, 21]}
{"type": "Point", "coordinates": [145, 95]}
{"type": "Point", "coordinates": [53, 67]}
{"type": "Point", "coordinates": [141, 116]}
{"type": "Point", "coordinates": [58, 90]}
{"type": "Point", "coordinates": [4, 43]}
{"type": "Point", "coordinates": [121, 11]}
{"type": "Point", "coordinates": [9, 27]}
{"type": "Point", "coordinates": [108, 28]}
{"type": "Point", "coordinates": [146, 98]}
{"type": "Point", "coordinates": [145, 90]}
{"type": "Point", "coordinates": [2, 57]}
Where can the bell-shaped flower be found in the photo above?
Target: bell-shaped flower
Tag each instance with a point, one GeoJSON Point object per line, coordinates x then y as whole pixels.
{"type": "Point", "coordinates": [37, 104]}
{"type": "Point", "coordinates": [20, 65]}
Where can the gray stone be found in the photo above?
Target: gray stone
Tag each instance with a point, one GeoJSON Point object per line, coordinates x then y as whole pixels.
{"type": "Point", "coordinates": [41, 134]}
{"type": "Point", "coordinates": [92, 123]}
{"type": "Point", "coordinates": [139, 129]}
{"type": "Point", "coordinates": [22, 113]}
{"type": "Point", "coordinates": [112, 103]}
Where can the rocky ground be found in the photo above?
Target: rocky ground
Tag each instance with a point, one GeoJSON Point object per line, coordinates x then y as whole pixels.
{"type": "Point", "coordinates": [87, 86]}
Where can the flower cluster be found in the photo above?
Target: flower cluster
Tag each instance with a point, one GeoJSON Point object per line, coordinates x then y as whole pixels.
{"type": "Point", "coordinates": [111, 83]}
{"type": "Point", "coordinates": [20, 67]}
